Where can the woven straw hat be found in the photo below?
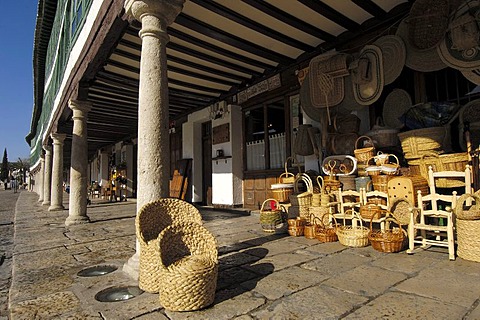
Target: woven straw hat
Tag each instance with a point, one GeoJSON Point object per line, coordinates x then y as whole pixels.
{"type": "Point", "coordinates": [427, 23]}
{"type": "Point", "coordinates": [396, 104]}
{"type": "Point", "coordinates": [394, 56]}
{"type": "Point", "coordinates": [459, 49]}
{"type": "Point", "coordinates": [472, 75]}
{"type": "Point", "coordinates": [326, 79]}
{"type": "Point", "coordinates": [419, 60]}
{"type": "Point", "coordinates": [369, 91]}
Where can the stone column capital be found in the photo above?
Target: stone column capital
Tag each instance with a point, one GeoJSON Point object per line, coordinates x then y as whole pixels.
{"type": "Point", "coordinates": [58, 137]}
{"type": "Point", "coordinates": [80, 108]}
{"type": "Point", "coordinates": [47, 148]}
{"type": "Point", "coordinates": [164, 10]}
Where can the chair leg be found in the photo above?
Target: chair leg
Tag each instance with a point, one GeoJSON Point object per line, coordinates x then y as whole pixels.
{"type": "Point", "coordinates": [451, 240]}
{"type": "Point", "coordinates": [411, 238]}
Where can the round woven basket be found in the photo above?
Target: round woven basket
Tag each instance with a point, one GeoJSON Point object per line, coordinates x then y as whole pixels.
{"type": "Point", "coordinates": [151, 219]}
{"type": "Point", "coordinates": [325, 232]}
{"type": "Point", "coordinates": [388, 240]}
{"type": "Point", "coordinates": [188, 267]}
{"type": "Point", "coordinates": [354, 235]}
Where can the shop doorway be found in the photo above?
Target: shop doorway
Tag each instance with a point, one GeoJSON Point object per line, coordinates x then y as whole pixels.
{"type": "Point", "coordinates": [207, 163]}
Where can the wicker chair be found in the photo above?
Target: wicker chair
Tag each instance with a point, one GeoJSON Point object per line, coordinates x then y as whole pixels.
{"type": "Point", "coordinates": [188, 267]}
{"type": "Point", "coordinates": [152, 218]}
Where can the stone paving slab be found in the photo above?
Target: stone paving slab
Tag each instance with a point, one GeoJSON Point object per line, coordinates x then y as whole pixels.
{"type": "Point", "coordinates": [261, 276]}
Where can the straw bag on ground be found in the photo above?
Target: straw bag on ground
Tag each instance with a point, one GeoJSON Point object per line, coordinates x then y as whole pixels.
{"type": "Point", "coordinates": [273, 217]}
{"type": "Point", "coordinates": [152, 219]}
{"type": "Point", "coordinates": [468, 228]}
{"type": "Point", "coordinates": [188, 267]}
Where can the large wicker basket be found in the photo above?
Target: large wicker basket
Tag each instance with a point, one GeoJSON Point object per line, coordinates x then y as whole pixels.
{"type": "Point", "coordinates": [444, 162]}
{"type": "Point", "coordinates": [352, 235]}
{"type": "Point", "coordinates": [418, 142]}
{"type": "Point", "coordinates": [390, 239]}
{"type": "Point", "coordinates": [151, 219]}
{"type": "Point", "coordinates": [188, 267]}
{"type": "Point", "coordinates": [468, 228]}
{"type": "Point", "coordinates": [273, 217]}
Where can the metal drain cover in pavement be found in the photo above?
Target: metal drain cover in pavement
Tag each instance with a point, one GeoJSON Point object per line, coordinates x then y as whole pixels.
{"type": "Point", "coordinates": [96, 271]}
{"type": "Point", "coordinates": [114, 294]}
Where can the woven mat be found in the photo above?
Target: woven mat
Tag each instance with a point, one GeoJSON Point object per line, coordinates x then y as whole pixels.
{"type": "Point", "coordinates": [396, 104]}
{"type": "Point", "coordinates": [394, 56]}
{"type": "Point", "coordinates": [326, 79]}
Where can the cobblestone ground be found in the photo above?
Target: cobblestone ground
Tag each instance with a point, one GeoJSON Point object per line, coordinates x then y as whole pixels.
{"type": "Point", "coordinates": [8, 200]}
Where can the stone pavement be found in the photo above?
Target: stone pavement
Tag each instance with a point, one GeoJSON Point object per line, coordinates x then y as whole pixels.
{"type": "Point", "coordinates": [261, 276]}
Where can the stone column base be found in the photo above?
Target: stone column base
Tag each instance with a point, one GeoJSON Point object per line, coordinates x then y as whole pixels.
{"type": "Point", "coordinates": [132, 266]}
{"type": "Point", "coordinates": [56, 208]}
{"type": "Point", "coordinates": [45, 203]}
{"type": "Point", "coordinates": [72, 220]}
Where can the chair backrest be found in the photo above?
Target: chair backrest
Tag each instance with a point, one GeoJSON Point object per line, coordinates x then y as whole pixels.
{"type": "Point", "coordinates": [435, 208]}
{"type": "Point", "coordinates": [347, 200]}
{"type": "Point", "coordinates": [368, 196]}
{"type": "Point", "coordinates": [466, 176]}
{"type": "Point", "coordinates": [155, 216]}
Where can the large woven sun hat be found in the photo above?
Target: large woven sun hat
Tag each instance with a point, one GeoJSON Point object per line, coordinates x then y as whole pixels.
{"type": "Point", "coordinates": [394, 56]}
{"type": "Point", "coordinates": [326, 74]}
{"type": "Point", "coordinates": [367, 75]}
{"type": "Point", "coordinates": [472, 75]}
{"type": "Point", "coordinates": [396, 104]}
{"type": "Point", "coordinates": [459, 49]}
{"type": "Point", "coordinates": [427, 23]}
{"type": "Point", "coordinates": [416, 59]}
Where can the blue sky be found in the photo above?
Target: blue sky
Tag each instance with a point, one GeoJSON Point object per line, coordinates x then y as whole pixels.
{"type": "Point", "coordinates": [17, 27]}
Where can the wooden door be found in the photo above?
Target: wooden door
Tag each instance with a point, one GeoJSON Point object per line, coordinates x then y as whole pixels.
{"type": "Point", "coordinates": [207, 163]}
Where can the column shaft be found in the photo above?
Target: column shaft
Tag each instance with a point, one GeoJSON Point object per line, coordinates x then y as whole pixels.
{"type": "Point", "coordinates": [57, 172]}
{"type": "Point", "coordinates": [47, 178]}
{"type": "Point", "coordinates": [41, 176]}
{"type": "Point", "coordinates": [77, 212]}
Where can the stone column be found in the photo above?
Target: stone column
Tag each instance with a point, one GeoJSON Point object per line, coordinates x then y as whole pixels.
{"type": "Point", "coordinates": [153, 139]}
{"type": "Point", "coordinates": [57, 172]}
{"type": "Point", "coordinates": [77, 211]}
{"type": "Point", "coordinates": [41, 174]}
{"type": "Point", "coordinates": [47, 177]}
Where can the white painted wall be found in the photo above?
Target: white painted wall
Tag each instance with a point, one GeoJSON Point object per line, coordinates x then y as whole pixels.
{"type": "Point", "coordinates": [226, 173]}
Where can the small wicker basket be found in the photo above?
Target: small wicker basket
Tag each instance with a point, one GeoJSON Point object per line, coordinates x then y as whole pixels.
{"type": "Point", "coordinates": [325, 232]}
{"type": "Point", "coordinates": [388, 240]}
{"type": "Point", "coordinates": [371, 211]}
{"type": "Point", "coordinates": [354, 235]}
{"type": "Point", "coordinates": [304, 198]}
{"type": "Point", "coordinates": [365, 153]}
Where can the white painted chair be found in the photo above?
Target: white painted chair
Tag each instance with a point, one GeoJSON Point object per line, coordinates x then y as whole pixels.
{"type": "Point", "coordinates": [433, 216]}
{"type": "Point", "coordinates": [346, 201]}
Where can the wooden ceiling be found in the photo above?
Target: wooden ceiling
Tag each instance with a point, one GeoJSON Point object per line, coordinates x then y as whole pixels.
{"type": "Point", "coordinates": [217, 48]}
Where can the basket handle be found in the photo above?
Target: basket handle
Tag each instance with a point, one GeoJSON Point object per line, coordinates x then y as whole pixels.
{"type": "Point", "coordinates": [293, 161]}
{"type": "Point", "coordinates": [354, 216]}
{"type": "Point", "coordinates": [320, 183]}
{"type": "Point", "coordinates": [462, 199]}
{"type": "Point", "coordinates": [277, 205]}
{"type": "Point", "coordinates": [363, 138]}
{"type": "Point", "coordinates": [396, 158]}
{"type": "Point", "coordinates": [285, 175]}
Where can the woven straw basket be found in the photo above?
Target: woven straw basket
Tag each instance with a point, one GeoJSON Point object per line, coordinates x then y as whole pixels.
{"type": "Point", "coordinates": [364, 153]}
{"type": "Point", "coordinates": [325, 232]}
{"type": "Point", "coordinates": [418, 142]}
{"type": "Point", "coordinates": [273, 216]}
{"type": "Point", "coordinates": [151, 219]}
{"type": "Point", "coordinates": [188, 267]}
{"type": "Point", "coordinates": [354, 235]}
{"type": "Point", "coordinates": [388, 240]}
{"type": "Point", "coordinates": [468, 228]}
